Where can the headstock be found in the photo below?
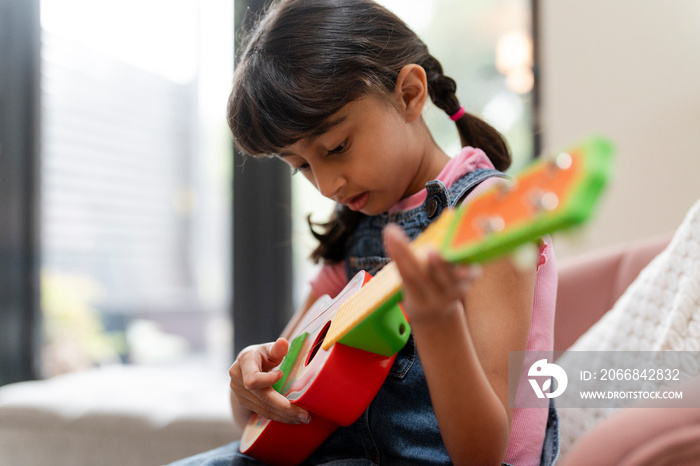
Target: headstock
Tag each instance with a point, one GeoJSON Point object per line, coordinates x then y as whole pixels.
{"type": "Point", "coordinates": [551, 194]}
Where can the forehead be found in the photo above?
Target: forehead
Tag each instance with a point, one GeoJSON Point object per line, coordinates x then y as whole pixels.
{"type": "Point", "coordinates": [358, 110]}
{"type": "Point", "coordinates": [332, 122]}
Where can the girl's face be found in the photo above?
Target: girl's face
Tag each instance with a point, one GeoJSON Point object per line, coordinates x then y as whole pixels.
{"type": "Point", "coordinates": [369, 159]}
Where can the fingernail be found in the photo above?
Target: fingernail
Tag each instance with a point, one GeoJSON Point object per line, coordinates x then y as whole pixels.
{"type": "Point", "coordinates": [305, 418]}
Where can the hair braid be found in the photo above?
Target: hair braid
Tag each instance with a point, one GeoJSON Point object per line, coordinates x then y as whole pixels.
{"type": "Point", "coordinates": [442, 89]}
{"type": "Point", "coordinates": [473, 131]}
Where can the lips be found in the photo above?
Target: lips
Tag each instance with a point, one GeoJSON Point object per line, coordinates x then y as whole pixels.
{"type": "Point", "coordinates": [358, 202]}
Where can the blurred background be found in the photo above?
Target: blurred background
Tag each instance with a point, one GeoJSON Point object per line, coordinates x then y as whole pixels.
{"type": "Point", "coordinates": [126, 233]}
{"type": "Point", "coordinates": [134, 183]}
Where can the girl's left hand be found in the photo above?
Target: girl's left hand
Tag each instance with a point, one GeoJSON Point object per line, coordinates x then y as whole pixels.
{"type": "Point", "coordinates": [431, 285]}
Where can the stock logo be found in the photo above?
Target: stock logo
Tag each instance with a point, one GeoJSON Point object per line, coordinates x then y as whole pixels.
{"type": "Point", "coordinates": [550, 370]}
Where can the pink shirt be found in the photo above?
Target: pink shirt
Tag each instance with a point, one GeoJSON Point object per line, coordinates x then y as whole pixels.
{"type": "Point", "coordinates": [528, 424]}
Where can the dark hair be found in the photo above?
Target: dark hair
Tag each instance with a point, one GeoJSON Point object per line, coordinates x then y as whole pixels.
{"type": "Point", "coordinates": [306, 59]}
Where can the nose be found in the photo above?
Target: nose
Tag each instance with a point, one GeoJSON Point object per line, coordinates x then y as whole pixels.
{"type": "Point", "coordinates": [329, 183]}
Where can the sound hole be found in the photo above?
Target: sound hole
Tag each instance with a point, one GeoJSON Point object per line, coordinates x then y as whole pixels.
{"type": "Point", "coordinates": [317, 344]}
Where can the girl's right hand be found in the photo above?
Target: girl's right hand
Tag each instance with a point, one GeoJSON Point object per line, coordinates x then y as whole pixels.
{"type": "Point", "coordinates": [252, 377]}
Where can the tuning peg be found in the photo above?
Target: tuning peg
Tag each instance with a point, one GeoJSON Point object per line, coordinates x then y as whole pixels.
{"type": "Point", "coordinates": [561, 161]}
{"type": "Point", "coordinates": [506, 186]}
{"type": "Point", "coordinates": [491, 224]}
{"type": "Point", "coordinates": [525, 257]}
{"type": "Point", "coordinates": [545, 201]}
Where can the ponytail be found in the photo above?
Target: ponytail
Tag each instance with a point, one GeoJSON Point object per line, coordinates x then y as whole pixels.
{"type": "Point", "coordinates": [473, 131]}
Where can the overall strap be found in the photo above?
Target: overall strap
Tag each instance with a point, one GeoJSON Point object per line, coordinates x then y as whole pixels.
{"type": "Point", "coordinates": [465, 185]}
{"type": "Point", "coordinates": [438, 197]}
{"type": "Point", "coordinates": [366, 248]}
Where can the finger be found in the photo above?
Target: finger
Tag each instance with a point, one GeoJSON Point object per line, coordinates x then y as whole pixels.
{"type": "Point", "coordinates": [276, 351]}
{"type": "Point", "coordinates": [272, 356]}
{"type": "Point", "coordinates": [270, 407]}
{"type": "Point", "coordinates": [469, 273]}
{"type": "Point", "coordinates": [466, 276]}
{"type": "Point", "coordinates": [257, 361]}
{"type": "Point", "coordinates": [261, 380]}
{"type": "Point", "coordinates": [251, 379]}
{"type": "Point", "coordinates": [265, 401]}
{"type": "Point", "coordinates": [439, 268]}
{"type": "Point", "coordinates": [441, 285]}
{"type": "Point", "coordinates": [252, 375]}
{"type": "Point", "coordinates": [274, 406]}
{"type": "Point", "coordinates": [270, 404]}
{"type": "Point", "coordinates": [235, 375]}
{"type": "Point", "coordinates": [249, 363]}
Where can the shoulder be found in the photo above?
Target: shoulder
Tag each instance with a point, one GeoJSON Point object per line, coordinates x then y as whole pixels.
{"type": "Point", "coordinates": [330, 280]}
{"type": "Point", "coordinates": [468, 160]}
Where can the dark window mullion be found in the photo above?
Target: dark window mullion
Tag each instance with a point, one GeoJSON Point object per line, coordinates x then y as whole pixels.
{"type": "Point", "coordinates": [262, 231]}
{"type": "Point", "coordinates": [19, 189]}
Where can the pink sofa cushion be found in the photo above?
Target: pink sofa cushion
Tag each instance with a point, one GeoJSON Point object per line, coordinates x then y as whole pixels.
{"type": "Point", "coordinates": [590, 285]}
{"type": "Point", "coordinates": [641, 435]}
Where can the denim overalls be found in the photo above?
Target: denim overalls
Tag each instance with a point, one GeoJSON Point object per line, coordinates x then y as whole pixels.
{"type": "Point", "coordinates": [399, 427]}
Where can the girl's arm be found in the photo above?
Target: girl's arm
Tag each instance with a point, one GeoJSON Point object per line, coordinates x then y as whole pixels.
{"type": "Point", "coordinates": [252, 378]}
{"type": "Point", "coordinates": [463, 330]}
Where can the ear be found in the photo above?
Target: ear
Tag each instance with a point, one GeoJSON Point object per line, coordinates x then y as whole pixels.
{"type": "Point", "coordinates": [411, 91]}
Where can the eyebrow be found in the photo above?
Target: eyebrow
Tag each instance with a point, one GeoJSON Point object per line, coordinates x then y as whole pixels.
{"type": "Point", "coordinates": [327, 126]}
{"type": "Point", "coordinates": [322, 129]}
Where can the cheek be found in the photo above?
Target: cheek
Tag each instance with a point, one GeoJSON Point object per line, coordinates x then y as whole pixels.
{"type": "Point", "coordinates": [309, 176]}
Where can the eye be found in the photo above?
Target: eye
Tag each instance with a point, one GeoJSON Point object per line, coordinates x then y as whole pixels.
{"type": "Point", "coordinates": [339, 149]}
{"type": "Point", "coordinates": [300, 168]}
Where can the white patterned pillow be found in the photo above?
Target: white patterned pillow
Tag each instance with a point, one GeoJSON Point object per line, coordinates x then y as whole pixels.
{"type": "Point", "coordinates": [659, 311]}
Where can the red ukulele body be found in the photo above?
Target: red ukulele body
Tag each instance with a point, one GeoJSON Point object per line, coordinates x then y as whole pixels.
{"type": "Point", "coordinates": [334, 385]}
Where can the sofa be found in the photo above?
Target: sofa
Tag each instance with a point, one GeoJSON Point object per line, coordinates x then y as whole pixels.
{"type": "Point", "coordinates": [120, 415]}
{"type": "Point", "coordinates": [149, 416]}
{"type": "Point", "coordinates": [656, 319]}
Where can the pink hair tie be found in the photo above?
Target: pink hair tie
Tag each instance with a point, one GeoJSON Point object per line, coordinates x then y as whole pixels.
{"type": "Point", "coordinates": [458, 114]}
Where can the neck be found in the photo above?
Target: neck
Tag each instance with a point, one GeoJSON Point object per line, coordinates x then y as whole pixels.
{"type": "Point", "coordinates": [431, 162]}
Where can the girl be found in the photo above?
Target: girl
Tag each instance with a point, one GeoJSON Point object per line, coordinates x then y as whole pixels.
{"type": "Point", "coordinates": [335, 88]}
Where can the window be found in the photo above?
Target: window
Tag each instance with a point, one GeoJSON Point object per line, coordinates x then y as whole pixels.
{"type": "Point", "coordinates": [135, 182]}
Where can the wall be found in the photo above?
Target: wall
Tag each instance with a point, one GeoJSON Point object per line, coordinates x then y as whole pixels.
{"type": "Point", "coordinates": [631, 70]}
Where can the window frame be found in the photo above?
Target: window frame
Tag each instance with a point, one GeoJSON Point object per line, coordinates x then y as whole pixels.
{"type": "Point", "coordinates": [20, 335]}
{"type": "Point", "coordinates": [262, 300]}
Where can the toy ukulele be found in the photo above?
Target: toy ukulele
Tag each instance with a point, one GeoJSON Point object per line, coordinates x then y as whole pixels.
{"type": "Point", "coordinates": [343, 348]}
